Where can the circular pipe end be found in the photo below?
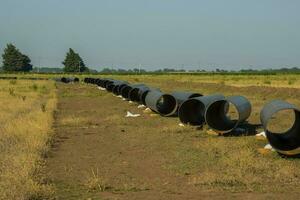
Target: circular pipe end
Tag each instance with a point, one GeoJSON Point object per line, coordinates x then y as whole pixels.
{"type": "Point", "coordinates": [192, 112]}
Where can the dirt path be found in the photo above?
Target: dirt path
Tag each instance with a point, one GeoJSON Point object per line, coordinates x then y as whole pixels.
{"type": "Point", "coordinates": [132, 158]}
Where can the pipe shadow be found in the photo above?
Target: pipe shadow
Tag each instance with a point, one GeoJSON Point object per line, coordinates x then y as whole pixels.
{"type": "Point", "coordinates": [245, 129]}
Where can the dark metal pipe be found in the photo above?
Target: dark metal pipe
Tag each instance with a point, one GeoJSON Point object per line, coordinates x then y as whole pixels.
{"type": "Point", "coordinates": [192, 111]}
{"type": "Point", "coordinates": [164, 104]}
{"type": "Point", "coordinates": [182, 96]}
{"type": "Point", "coordinates": [93, 80]}
{"type": "Point", "coordinates": [106, 82]}
{"type": "Point", "coordinates": [218, 118]}
{"type": "Point", "coordinates": [126, 90]}
{"type": "Point", "coordinates": [134, 93]}
{"type": "Point", "coordinates": [121, 87]}
{"type": "Point", "coordinates": [112, 84]}
{"type": "Point", "coordinates": [68, 79]}
{"type": "Point", "coordinates": [288, 142]}
{"type": "Point", "coordinates": [116, 88]}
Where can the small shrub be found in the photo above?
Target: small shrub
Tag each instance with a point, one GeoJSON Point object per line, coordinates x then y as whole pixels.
{"type": "Point", "coordinates": [11, 92]}
{"type": "Point", "coordinates": [23, 98]}
{"type": "Point", "coordinates": [291, 81]}
{"type": "Point", "coordinates": [95, 183]}
{"type": "Point", "coordinates": [44, 90]}
{"type": "Point", "coordinates": [13, 82]}
{"type": "Point", "coordinates": [34, 87]}
{"type": "Point", "coordinates": [267, 82]}
{"type": "Point", "coordinates": [43, 107]}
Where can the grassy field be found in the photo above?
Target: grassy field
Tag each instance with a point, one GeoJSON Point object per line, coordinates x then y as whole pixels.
{"type": "Point", "coordinates": [273, 80]}
{"type": "Point", "coordinates": [26, 119]}
{"type": "Point", "coordinates": [97, 153]}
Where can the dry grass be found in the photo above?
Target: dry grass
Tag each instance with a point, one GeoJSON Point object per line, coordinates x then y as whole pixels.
{"type": "Point", "coordinates": [26, 119]}
{"type": "Point", "coordinates": [94, 182]}
{"type": "Point", "coordinates": [279, 80]}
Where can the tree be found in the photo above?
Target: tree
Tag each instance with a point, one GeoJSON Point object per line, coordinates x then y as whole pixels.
{"type": "Point", "coordinates": [14, 60]}
{"type": "Point", "coordinates": [73, 62]}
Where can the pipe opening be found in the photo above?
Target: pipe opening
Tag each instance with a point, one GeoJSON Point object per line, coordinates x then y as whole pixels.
{"type": "Point", "coordinates": [222, 116]}
{"type": "Point", "coordinates": [115, 90]}
{"type": "Point", "coordinates": [289, 139]}
{"type": "Point", "coordinates": [192, 112]}
{"type": "Point", "coordinates": [134, 95]}
{"type": "Point", "coordinates": [120, 88]}
{"type": "Point", "coordinates": [125, 91]}
{"type": "Point", "coordinates": [110, 87]}
{"type": "Point", "coordinates": [166, 104]}
{"type": "Point", "coordinates": [64, 80]}
{"type": "Point", "coordinates": [278, 126]}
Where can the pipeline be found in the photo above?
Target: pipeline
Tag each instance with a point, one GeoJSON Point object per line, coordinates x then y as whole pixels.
{"type": "Point", "coordinates": [217, 114]}
{"type": "Point", "coordinates": [143, 93]}
{"type": "Point", "coordinates": [67, 79]}
{"type": "Point", "coordinates": [110, 85]}
{"type": "Point", "coordinates": [116, 89]}
{"type": "Point", "coordinates": [287, 142]}
{"type": "Point", "coordinates": [192, 111]}
{"type": "Point", "coordinates": [134, 92]}
{"type": "Point", "coordinates": [164, 104]}
{"type": "Point", "coordinates": [182, 96]}
{"type": "Point", "coordinates": [127, 88]}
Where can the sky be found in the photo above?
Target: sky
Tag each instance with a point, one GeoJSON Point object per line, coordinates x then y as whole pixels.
{"type": "Point", "coordinates": [152, 34]}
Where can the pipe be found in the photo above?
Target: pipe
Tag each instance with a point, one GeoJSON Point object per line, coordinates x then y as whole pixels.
{"type": "Point", "coordinates": [164, 104]}
{"type": "Point", "coordinates": [116, 88]}
{"type": "Point", "coordinates": [288, 142]}
{"type": "Point", "coordinates": [192, 111]}
{"type": "Point", "coordinates": [217, 113]}
{"type": "Point", "coordinates": [182, 96]}
{"type": "Point", "coordinates": [86, 80]}
{"type": "Point", "coordinates": [111, 85]}
{"type": "Point", "coordinates": [68, 79]}
{"type": "Point", "coordinates": [119, 89]}
{"type": "Point", "coordinates": [126, 90]}
{"type": "Point", "coordinates": [134, 93]}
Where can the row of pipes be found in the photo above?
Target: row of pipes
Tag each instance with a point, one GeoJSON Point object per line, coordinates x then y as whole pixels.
{"type": "Point", "coordinates": [214, 110]}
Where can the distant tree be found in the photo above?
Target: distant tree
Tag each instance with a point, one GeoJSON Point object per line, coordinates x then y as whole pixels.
{"type": "Point", "coordinates": [73, 62]}
{"type": "Point", "coordinates": [14, 60]}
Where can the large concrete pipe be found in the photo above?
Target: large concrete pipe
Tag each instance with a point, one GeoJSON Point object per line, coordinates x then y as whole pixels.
{"type": "Point", "coordinates": [192, 110]}
{"type": "Point", "coordinates": [224, 115]}
{"type": "Point", "coordinates": [182, 96]}
{"type": "Point", "coordinates": [288, 141]}
{"type": "Point", "coordinates": [164, 104]}
{"type": "Point", "coordinates": [134, 93]}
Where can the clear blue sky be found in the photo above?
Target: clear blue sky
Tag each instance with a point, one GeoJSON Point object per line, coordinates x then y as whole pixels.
{"type": "Point", "coordinates": [229, 34]}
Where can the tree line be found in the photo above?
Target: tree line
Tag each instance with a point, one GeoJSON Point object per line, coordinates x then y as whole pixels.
{"type": "Point", "coordinates": [15, 61]}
